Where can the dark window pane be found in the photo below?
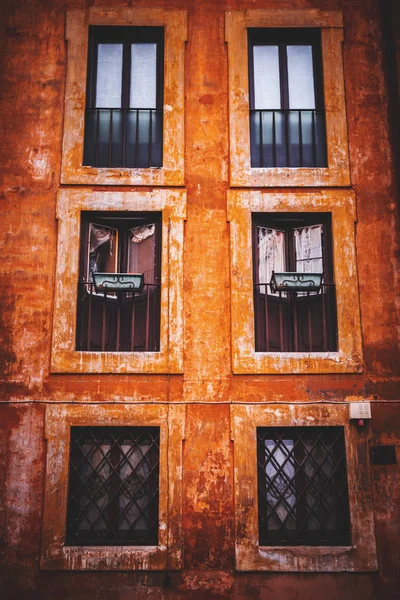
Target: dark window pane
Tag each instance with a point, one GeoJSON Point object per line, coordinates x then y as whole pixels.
{"type": "Point", "coordinates": [113, 492]}
{"type": "Point", "coordinates": [302, 486]}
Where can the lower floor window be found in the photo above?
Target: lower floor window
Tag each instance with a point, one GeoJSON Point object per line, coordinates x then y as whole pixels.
{"type": "Point", "coordinates": [113, 490]}
{"type": "Point", "coordinates": [302, 487]}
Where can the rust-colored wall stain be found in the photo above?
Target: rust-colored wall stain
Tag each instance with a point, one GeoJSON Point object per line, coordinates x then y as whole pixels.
{"type": "Point", "coordinates": [201, 377]}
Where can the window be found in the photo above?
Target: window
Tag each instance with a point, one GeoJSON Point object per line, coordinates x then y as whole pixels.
{"type": "Point", "coordinates": [294, 329]}
{"type": "Point", "coordinates": [113, 495]}
{"type": "Point", "coordinates": [303, 495]}
{"type": "Point", "coordinates": [287, 113]}
{"type": "Point", "coordinates": [123, 238]}
{"type": "Point", "coordinates": [119, 321]}
{"type": "Point", "coordinates": [124, 99]}
{"type": "Point", "coordinates": [124, 120]}
{"type": "Point", "coordinates": [293, 321]}
{"type": "Point", "coordinates": [287, 120]}
{"type": "Point", "coordinates": [302, 486]}
{"type": "Point", "coordinates": [113, 490]}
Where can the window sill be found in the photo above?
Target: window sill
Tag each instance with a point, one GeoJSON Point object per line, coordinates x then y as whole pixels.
{"type": "Point", "coordinates": [298, 558]}
{"type": "Point", "coordinates": [275, 363]}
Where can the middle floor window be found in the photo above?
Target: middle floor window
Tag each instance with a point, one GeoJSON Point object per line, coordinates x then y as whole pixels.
{"type": "Point", "coordinates": [120, 282]}
{"type": "Point", "coordinates": [294, 291]}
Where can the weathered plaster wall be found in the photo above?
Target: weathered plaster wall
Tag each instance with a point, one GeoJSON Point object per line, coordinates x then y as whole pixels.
{"type": "Point", "coordinates": [32, 79]}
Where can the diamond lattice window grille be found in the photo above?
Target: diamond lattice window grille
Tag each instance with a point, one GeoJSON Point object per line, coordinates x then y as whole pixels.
{"type": "Point", "coordinates": [302, 486]}
{"type": "Point", "coordinates": [113, 491]}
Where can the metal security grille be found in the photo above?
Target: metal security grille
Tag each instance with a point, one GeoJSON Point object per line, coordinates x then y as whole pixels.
{"type": "Point", "coordinates": [113, 491]}
{"type": "Point", "coordinates": [302, 486]}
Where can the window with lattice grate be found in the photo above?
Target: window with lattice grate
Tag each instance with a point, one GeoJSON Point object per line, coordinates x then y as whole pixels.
{"type": "Point", "coordinates": [113, 492]}
{"type": "Point", "coordinates": [302, 487]}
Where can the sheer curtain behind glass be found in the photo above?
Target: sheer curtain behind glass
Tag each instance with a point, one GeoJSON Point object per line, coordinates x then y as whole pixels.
{"type": "Point", "coordinates": [271, 254]}
{"type": "Point", "coordinates": [308, 246]}
{"type": "Point", "coordinates": [300, 77]}
{"type": "Point", "coordinates": [109, 76]}
{"type": "Point", "coordinates": [143, 76]}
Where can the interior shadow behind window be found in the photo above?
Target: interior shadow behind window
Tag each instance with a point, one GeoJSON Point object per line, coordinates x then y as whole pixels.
{"type": "Point", "coordinates": [112, 315]}
{"type": "Point", "coordinates": [124, 116]}
{"type": "Point", "coordinates": [287, 117]}
{"type": "Point", "coordinates": [293, 315]}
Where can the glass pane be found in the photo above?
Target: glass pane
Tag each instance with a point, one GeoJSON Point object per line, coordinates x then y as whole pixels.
{"type": "Point", "coordinates": [103, 249]}
{"type": "Point", "coordinates": [271, 253]}
{"type": "Point", "coordinates": [301, 77]}
{"type": "Point", "coordinates": [109, 76]}
{"type": "Point", "coordinates": [266, 77]}
{"type": "Point", "coordinates": [143, 76]}
{"type": "Point", "coordinates": [308, 247]}
{"type": "Point", "coordinates": [141, 257]}
{"type": "Point", "coordinates": [144, 155]}
{"type": "Point", "coordinates": [117, 140]}
{"type": "Point", "coordinates": [104, 140]}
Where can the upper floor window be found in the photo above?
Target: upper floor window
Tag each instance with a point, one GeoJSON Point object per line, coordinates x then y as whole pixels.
{"type": "Point", "coordinates": [124, 99]}
{"type": "Point", "coordinates": [109, 318]}
{"type": "Point", "coordinates": [287, 118]}
{"type": "Point", "coordinates": [298, 247]}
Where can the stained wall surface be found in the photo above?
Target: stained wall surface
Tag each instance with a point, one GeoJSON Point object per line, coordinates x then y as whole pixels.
{"type": "Point", "coordinates": [33, 53]}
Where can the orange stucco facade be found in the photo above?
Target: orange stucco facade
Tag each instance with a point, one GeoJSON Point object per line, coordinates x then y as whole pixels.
{"type": "Point", "coordinates": [207, 389]}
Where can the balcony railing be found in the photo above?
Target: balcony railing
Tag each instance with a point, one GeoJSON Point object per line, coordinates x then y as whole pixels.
{"type": "Point", "coordinates": [116, 137]}
{"type": "Point", "coordinates": [288, 138]}
{"type": "Point", "coordinates": [119, 321]}
{"type": "Point", "coordinates": [295, 321]}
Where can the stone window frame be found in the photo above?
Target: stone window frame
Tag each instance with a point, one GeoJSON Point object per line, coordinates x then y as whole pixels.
{"type": "Point", "coordinates": [249, 555]}
{"type": "Point", "coordinates": [70, 204]}
{"type": "Point", "coordinates": [168, 554]}
{"type": "Point", "coordinates": [77, 31]}
{"type": "Point", "coordinates": [331, 25]}
{"type": "Point", "coordinates": [342, 205]}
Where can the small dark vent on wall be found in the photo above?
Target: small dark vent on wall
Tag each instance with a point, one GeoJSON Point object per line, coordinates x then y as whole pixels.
{"type": "Point", "coordinates": [383, 455]}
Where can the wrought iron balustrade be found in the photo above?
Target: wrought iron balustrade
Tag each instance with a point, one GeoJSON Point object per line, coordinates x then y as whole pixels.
{"type": "Point", "coordinates": [116, 137]}
{"type": "Point", "coordinates": [118, 321]}
{"type": "Point", "coordinates": [295, 321]}
{"type": "Point", "coordinates": [288, 138]}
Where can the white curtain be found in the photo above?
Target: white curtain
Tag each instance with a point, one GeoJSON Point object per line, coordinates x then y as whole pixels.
{"type": "Point", "coordinates": [109, 76]}
{"type": "Point", "coordinates": [271, 254]}
{"type": "Point", "coordinates": [308, 245]}
{"type": "Point", "coordinates": [301, 77]}
{"type": "Point", "coordinates": [143, 76]}
{"type": "Point", "coordinates": [267, 93]}
{"type": "Point", "coordinates": [101, 243]}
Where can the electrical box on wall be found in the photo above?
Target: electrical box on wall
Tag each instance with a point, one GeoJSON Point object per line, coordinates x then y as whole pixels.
{"type": "Point", "coordinates": [360, 410]}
